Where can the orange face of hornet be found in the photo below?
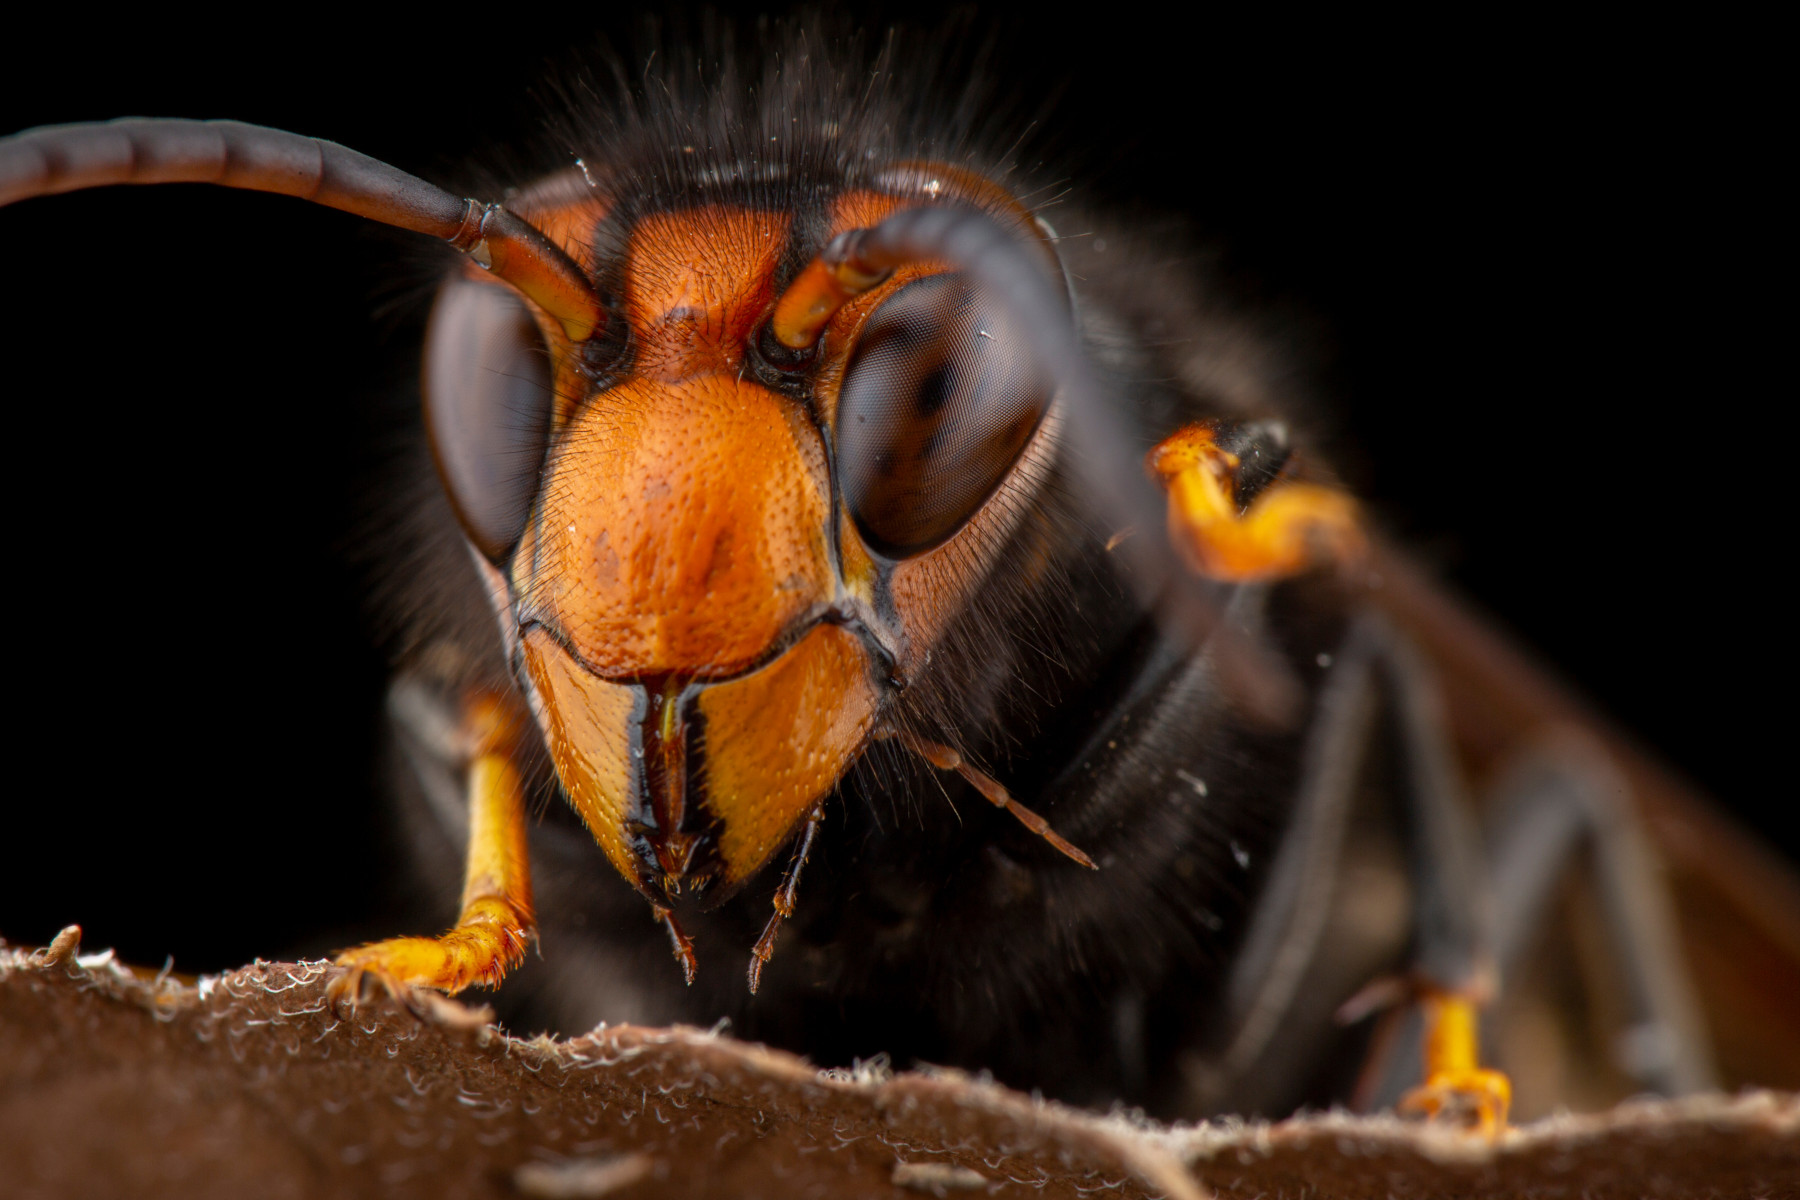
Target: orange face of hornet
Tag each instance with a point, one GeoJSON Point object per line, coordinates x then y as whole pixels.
{"type": "Point", "coordinates": [707, 641]}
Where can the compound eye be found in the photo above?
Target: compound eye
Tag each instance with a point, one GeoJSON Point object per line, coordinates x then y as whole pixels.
{"type": "Point", "coordinates": [938, 402]}
{"type": "Point", "coordinates": [487, 410]}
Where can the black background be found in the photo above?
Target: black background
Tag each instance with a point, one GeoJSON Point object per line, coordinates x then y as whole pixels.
{"type": "Point", "coordinates": [1538, 255]}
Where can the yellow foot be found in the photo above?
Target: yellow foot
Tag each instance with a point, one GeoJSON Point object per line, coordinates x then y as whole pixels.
{"type": "Point", "coordinates": [1289, 528]}
{"type": "Point", "coordinates": [1473, 1097]}
{"type": "Point", "coordinates": [1457, 1087]}
{"type": "Point", "coordinates": [488, 942]}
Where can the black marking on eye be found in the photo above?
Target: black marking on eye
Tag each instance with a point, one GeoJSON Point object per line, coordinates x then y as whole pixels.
{"type": "Point", "coordinates": [933, 393]}
{"type": "Point", "coordinates": [937, 405]}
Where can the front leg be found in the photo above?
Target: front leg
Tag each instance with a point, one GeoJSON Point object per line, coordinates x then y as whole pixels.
{"type": "Point", "coordinates": [496, 924]}
{"type": "Point", "coordinates": [1234, 515]}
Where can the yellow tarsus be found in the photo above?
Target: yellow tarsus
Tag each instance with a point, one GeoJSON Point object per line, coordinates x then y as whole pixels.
{"type": "Point", "coordinates": [1455, 1082]}
{"type": "Point", "coordinates": [1289, 528]}
{"type": "Point", "coordinates": [497, 922]}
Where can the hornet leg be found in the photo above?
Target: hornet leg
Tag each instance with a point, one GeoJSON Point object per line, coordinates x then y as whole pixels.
{"type": "Point", "coordinates": [784, 902]}
{"type": "Point", "coordinates": [1376, 679]}
{"type": "Point", "coordinates": [1454, 969]}
{"type": "Point", "coordinates": [946, 759]}
{"type": "Point", "coordinates": [1560, 804]}
{"type": "Point", "coordinates": [1234, 516]}
{"type": "Point", "coordinates": [496, 922]}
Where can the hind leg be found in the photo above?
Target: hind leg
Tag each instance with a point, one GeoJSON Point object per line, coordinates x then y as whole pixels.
{"type": "Point", "coordinates": [1563, 806]}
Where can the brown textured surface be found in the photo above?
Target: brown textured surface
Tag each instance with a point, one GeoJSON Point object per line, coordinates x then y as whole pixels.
{"type": "Point", "coordinates": [251, 1085]}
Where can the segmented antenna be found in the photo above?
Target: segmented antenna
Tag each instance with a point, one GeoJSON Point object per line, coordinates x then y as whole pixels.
{"type": "Point", "coordinates": [837, 276]}
{"type": "Point", "coordinates": [66, 158]}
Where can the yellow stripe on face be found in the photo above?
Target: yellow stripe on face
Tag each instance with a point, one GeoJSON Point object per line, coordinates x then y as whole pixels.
{"type": "Point", "coordinates": [587, 722]}
{"type": "Point", "coordinates": [778, 740]}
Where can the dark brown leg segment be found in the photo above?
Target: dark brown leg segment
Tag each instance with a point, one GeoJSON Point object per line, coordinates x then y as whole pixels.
{"type": "Point", "coordinates": [683, 945]}
{"type": "Point", "coordinates": [784, 902]}
{"type": "Point", "coordinates": [946, 759]}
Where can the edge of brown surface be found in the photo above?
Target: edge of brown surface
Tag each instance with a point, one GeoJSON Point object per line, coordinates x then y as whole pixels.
{"type": "Point", "coordinates": [112, 1079]}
